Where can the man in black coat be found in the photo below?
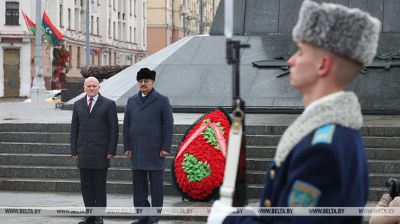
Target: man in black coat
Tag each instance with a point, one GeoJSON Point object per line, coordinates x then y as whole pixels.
{"type": "Point", "coordinates": [94, 137]}
{"type": "Point", "coordinates": [148, 125]}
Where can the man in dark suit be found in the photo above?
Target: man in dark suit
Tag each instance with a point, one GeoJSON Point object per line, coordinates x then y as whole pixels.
{"type": "Point", "coordinates": [94, 137]}
{"type": "Point", "coordinates": [148, 125]}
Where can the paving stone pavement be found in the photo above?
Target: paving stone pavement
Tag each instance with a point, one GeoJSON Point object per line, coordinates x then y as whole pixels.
{"type": "Point", "coordinates": [40, 199]}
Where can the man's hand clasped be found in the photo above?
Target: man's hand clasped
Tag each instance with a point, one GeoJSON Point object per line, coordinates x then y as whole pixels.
{"type": "Point", "coordinates": [128, 154]}
{"type": "Point", "coordinates": [163, 154]}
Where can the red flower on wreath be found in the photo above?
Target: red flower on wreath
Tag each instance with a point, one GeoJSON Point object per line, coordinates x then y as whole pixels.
{"type": "Point", "coordinates": [200, 162]}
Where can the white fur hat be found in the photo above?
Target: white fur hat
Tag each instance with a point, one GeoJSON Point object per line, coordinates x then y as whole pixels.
{"type": "Point", "coordinates": [351, 33]}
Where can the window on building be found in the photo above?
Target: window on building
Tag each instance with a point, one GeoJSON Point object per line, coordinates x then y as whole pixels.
{"type": "Point", "coordinates": [104, 59]}
{"type": "Point", "coordinates": [144, 37]}
{"type": "Point", "coordinates": [124, 32]}
{"type": "Point", "coordinates": [93, 57]}
{"type": "Point", "coordinates": [114, 5]}
{"type": "Point", "coordinates": [61, 16]}
{"type": "Point", "coordinates": [76, 22]}
{"type": "Point", "coordinates": [114, 31]}
{"type": "Point", "coordinates": [144, 10]}
{"type": "Point", "coordinates": [109, 28]}
{"type": "Point", "coordinates": [69, 19]}
{"type": "Point", "coordinates": [130, 34]}
{"type": "Point", "coordinates": [82, 22]}
{"type": "Point", "coordinates": [70, 56]}
{"type": "Point", "coordinates": [134, 7]}
{"type": "Point", "coordinates": [124, 8]}
{"type": "Point", "coordinates": [134, 35]}
{"type": "Point", "coordinates": [115, 58]}
{"type": "Point", "coordinates": [98, 57]}
{"type": "Point", "coordinates": [12, 13]}
{"type": "Point", "coordinates": [109, 58]}
{"type": "Point", "coordinates": [91, 24]}
{"type": "Point", "coordinates": [98, 25]}
{"type": "Point", "coordinates": [130, 7]}
{"type": "Point", "coordinates": [78, 57]}
{"type": "Point", "coordinates": [119, 31]}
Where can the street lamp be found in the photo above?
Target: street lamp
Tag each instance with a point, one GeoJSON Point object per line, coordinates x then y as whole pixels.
{"type": "Point", "coordinates": [38, 91]}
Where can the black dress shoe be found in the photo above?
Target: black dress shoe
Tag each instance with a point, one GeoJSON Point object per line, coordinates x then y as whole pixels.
{"type": "Point", "coordinates": [87, 220]}
{"type": "Point", "coordinates": [140, 221]}
{"type": "Point", "coordinates": [98, 220]}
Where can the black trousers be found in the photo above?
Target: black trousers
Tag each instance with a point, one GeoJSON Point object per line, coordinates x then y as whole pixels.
{"type": "Point", "coordinates": [93, 187]}
{"type": "Point", "coordinates": [140, 189]}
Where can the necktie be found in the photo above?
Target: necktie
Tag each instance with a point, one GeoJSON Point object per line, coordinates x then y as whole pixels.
{"type": "Point", "coordinates": [90, 104]}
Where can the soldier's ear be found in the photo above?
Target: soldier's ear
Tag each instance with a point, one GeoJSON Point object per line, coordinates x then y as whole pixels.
{"type": "Point", "coordinates": [325, 65]}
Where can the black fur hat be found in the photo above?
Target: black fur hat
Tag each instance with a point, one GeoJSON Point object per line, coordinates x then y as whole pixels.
{"type": "Point", "coordinates": [146, 73]}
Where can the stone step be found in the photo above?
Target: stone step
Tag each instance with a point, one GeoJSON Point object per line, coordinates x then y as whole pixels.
{"type": "Point", "coordinates": [379, 179]}
{"type": "Point", "coordinates": [381, 131]}
{"type": "Point", "coordinates": [117, 186]}
{"type": "Point", "coordinates": [253, 164]}
{"type": "Point", "coordinates": [384, 166]}
{"type": "Point", "coordinates": [68, 172]}
{"type": "Point", "coordinates": [46, 137]}
{"type": "Point", "coordinates": [62, 128]}
{"type": "Point", "coordinates": [252, 140]}
{"type": "Point", "coordinates": [178, 128]}
{"type": "Point", "coordinates": [252, 151]}
{"type": "Point", "coordinates": [64, 148]}
{"type": "Point", "coordinates": [383, 153]}
{"type": "Point", "coordinates": [118, 161]}
{"type": "Point", "coordinates": [181, 129]}
{"type": "Point", "coordinates": [382, 142]}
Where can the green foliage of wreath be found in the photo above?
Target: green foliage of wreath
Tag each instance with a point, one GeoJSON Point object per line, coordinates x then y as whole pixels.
{"type": "Point", "coordinates": [210, 135]}
{"type": "Point", "coordinates": [196, 170]}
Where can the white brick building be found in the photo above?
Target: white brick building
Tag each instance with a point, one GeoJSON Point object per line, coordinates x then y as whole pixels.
{"type": "Point", "coordinates": [117, 36]}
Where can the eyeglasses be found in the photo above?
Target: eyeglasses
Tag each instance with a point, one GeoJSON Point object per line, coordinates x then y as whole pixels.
{"type": "Point", "coordinates": [145, 81]}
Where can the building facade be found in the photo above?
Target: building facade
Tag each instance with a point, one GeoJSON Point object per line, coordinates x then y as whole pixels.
{"type": "Point", "coordinates": [15, 49]}
{"type": "Point", "coordinates": [117, 37]}
{"type": "Point", "coordinates": [117, 31]}
{"type": "Point", "coordinates": [171, 20]}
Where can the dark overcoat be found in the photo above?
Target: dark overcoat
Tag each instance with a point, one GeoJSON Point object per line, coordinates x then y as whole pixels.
{"type": "Point", "coordinates": [94, 135]}
{"type": "Point", "coordinates": [148, 129]}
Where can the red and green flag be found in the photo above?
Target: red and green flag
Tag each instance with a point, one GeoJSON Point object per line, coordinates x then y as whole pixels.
{"type": "Point", "coordinates": [29, 23]}
{"type": "Point", "coordinates": [51, 33]}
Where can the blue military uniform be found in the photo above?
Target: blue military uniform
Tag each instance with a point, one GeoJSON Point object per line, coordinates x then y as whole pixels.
{"type": "Point", "coordinates": [325, 168]}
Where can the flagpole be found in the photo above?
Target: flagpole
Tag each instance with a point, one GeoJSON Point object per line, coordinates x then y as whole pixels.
{"type": "Point", "coordinates": [87, 34]}
{"type": "Point", "coordinates": [38, 90]}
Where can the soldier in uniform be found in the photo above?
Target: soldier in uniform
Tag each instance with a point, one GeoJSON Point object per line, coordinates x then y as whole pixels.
{"type": "Point", "coordinates": [320, 160]}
